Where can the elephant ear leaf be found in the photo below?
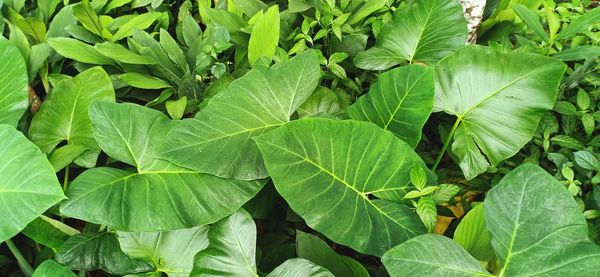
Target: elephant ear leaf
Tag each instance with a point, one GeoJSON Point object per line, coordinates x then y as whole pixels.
{"type": "Point", "coordinates": [232, 248]}
{"type": "Point", "coordinates": [498, 99]}
{"type": "Point", "coordinates": [537, 228]}
{"type": "Point", "coordinates": [299, 267]}
{"type": "Point", "coordinates": [426, 31]}
{"type": "Point", "coordinates": [159, 195]}
{"type": "Point", "coordinates": [13, 77]}
{"type": "Point", "coordinates": [400, 101]}
{"type": "Point", "coordinates": [29, 186]}
{"type": "Point", "coordinates": [258, 102]}
{"type": "Point", "coordinates": [328, 170]}
{"type": "Point", "coordinates": [431, 255]}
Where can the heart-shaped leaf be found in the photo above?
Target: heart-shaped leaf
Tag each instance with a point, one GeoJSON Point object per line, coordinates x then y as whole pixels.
{"type": "Point", "coordinates": [28, 187]}
{"type": "Point", "coordinates": [400, 101]}
{"type": "Point", "coordinates": [232, 248]}
{"type": "Point", "coordinates": [98, 251]}
{"type": "Point", "coordinates": [171, 252]}
{"type": "Point", "coordinates": [159, 196]}
{"type": "Point", "coordinates": [13, 77]}
{"type": "Point", "coordinates": [536, 228]}
{"type": "Point", "coordinates": [256, 103]}
{"type": "Point", "coordinates": [64, 114]}
{"type": "Point", "coordinates": [498, 97]}
{"type": "Point", "coordinates": [327, 171]}
{"type": "Point", "coordinates": [424, 31]}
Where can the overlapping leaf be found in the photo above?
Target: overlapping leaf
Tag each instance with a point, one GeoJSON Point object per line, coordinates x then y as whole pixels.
{"type": "Point", "coordinates": [218, 140]}
{"type": "Point", "coordinates": [28, 187]}
{"type": "Point", "coordinates": [159, 196]}
{"type": "Point", "coordinates": [298, 267]}
{"type": "Point", "coordinates": [13, 91]}
{"type": "Point", "coordinates": [499, 98]}
{"type": "Point", "coordinates": [424, 31]}
{"type": "Point", "coordinates": [327, 171]}
{"type": "Point", "coordinates": [536, 227]}
{"type": "Point", "coordinates": [400, 101]}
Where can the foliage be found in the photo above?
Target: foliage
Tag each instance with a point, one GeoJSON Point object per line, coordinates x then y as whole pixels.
{"type": "Point", "coordinates": [299, 138]}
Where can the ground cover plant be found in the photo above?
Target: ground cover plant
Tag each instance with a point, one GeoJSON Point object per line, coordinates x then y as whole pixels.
{"type": "Point", "coordinates": [299, 138]}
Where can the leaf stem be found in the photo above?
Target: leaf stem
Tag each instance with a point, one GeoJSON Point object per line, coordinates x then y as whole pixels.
{"type": "Point", "coordinates": [23, 264]}
{"type": "Point", "coordinates": [66, 179]}
{"type": "Point", "coordinates": [446, 143]}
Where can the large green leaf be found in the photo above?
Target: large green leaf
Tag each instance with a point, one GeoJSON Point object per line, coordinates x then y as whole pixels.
{"type": "Point", "coordinates": [432, 256]}
{"type": "Point", "coordinates": [28, 185]}
{"type": "Point", "coordinates": [232, 248]}
{"type": "Point", "coordinates": [327, 171]}
{"type": "Point", "coordinates": [312, 248]}
{"type": "Point", "coordinates": [298, 267]}
{"type": "Point", "coordinates": [159, 196]}
{"type": "Point", "coordinates": [171, 252]}
{"type": "Point", "coordinates": [498, 97]}
{"type": "Point", "coordinates": [472, 235]}
{"type": "Point", "coordinates": [98, 251]}
{"type": "Point", "coordinates": [64, 114]}
{"type": "Point", "coordinates": [218, 141]}
{"type": "Point", "coordinates": [536, 228]}
{"type": "Point", "coordinates": [49, 232]}
{"type": "Point", "coordinates": [400, 101]}
{"type": "Point", "coordinates": [424, 31]}
{"type": "Point", "coordinates": [13, 91]}
{"type": "Point", "coordinates": [50, 268]}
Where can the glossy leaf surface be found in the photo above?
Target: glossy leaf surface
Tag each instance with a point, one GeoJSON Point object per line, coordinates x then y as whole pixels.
{"type": "Point", "coordinates": [13, 91]}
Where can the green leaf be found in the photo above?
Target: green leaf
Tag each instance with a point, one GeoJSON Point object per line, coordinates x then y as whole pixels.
{"type": "Point", "coordinates": [256, 103]}
{"type": "Point", "coordinates": [13, 77]}
{"type": "Point", "coordinates": [298, 267]}
{"type": "Point", "coordinates": [400, 101]}
{"type": "Point", "coordinates": [444, 193]}
{"type": "Point", "coordinates": [427, 212]}
{"type": "Point", "coordinates": [64, 114]}
{"type": "Point", "coordinates": [324, 102]}
{"type": "Point", "coordinates": [122, 54]}
{"type": "Point", "coordinates": [86, 15]}
{"type": "Point", "coordinates": [142, 81]}
{"type": "Point", "coordinates": [60, 22]}
{"type": "Point", "coordinates": [49, 232]}
{"type": "Point", "coordinates": [176, 108]}
{"type": "Point", "coordinates": [532, 21]}
{"type": "Point", "coordinates": [29, 186]}
{"type": "Point", "coordinates": [250, 7]}
{"type": "Point", "coordinates": [580, 24]}
{"type": "Point", "coordinates": [140, 22]}
{"type": "Point", "coordinates": [171, 252]}
{"type": "Point", "coordinates": [326, 170]}
{"type": "Point", "coordinates": [265, 35]}
{"type": "Point", "coordinates": [473, 236]}
{"type": "Point", "coordinates": [537, 228]}
{"type": "Point", "coordinates": [98, 251]}
{"type": "Point", "coordinates": [50, 268]}
{"type": "Point", "coordinates": [159, 196]}
{"type": "Point", "coordinates": [587, 160]}
{"type": "Point", "coordinates": [578, 53]}
{"type": "Point", "coordinates": [424, 31]}
{"type": "Point", "coordinates": [313, 249]}
{"type": "Point", "coordinates": [232, 248]}
{"type": "Point", "coordinates": [498, 97]}
{"type": "Point", "coordinates": [65, 155]}
{"type": "Point", "coordinates": [365, 10]}
{"type": "Point", "coordinates": [431, 255]}
{"type": "Point", "coordinates": [78, 51]}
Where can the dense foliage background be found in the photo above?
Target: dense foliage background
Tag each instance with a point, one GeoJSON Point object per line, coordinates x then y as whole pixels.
{"type": "Point", "coordinates": [299, 138]}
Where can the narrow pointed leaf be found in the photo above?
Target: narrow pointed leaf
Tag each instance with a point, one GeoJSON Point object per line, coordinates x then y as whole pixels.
{"type": "Point", "coordinates": [424, 31]}
{"type": "Point", "coordinates": [232, 248]}
{"type": "Point", "coordinates": [29, 186]}
{"type": "Point", "coordinates": [13, 91]}
{"type": "Point", "coordinates": [498, 97]}
{"type": "Point", "coordinates": [256, 103]}
{"type": "Point", "coordinates": [327, 169]}
{"type": "Point", "coordinates": [400, 101]}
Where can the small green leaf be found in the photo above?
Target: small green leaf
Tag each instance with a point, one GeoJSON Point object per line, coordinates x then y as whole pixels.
{"type": "Point", "coordinates": [427, 212]}
{"type": "Point", "coordinates": [78, 51]}
{"type": "Point", "coordinates": [142, 81]}
{"type": "Point", "coordinates": [472, 235]}
{"type": "Point", "coordinates": [176, 108]}
{"type": "Point", "coordinates": [138, 22]}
